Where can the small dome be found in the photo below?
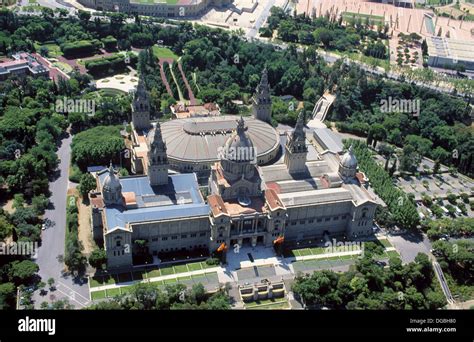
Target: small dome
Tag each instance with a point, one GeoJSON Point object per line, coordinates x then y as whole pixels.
{"type": "Point", "coordinates": [111, 182]}
{"type": "Point", "coordinates": [349, 160]}
{"type": "Point", "coordinates": [239, 147]}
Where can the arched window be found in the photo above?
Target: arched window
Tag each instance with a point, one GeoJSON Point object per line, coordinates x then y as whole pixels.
{"type": "Point", "coordinates": [364, 212]}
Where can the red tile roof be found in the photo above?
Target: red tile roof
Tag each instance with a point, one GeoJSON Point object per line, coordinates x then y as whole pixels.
{"type": "Point", "coordinates": [273, 200]}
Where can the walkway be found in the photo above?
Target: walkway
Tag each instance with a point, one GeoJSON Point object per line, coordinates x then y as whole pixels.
{"type": "Point", "coordinates": [443, 282]}
{"type": "Point", "coordinates": [192, 98]}
{"type": "Point", "coordinates": [161, 61]}
{"type": "Point", "coordinates": [320, 110]}
{"type": "Point", "coordinates": [156, 279]}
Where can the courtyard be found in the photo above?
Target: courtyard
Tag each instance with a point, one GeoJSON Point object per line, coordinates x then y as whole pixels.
{"type": "Point", "coordinates": [121, 82]}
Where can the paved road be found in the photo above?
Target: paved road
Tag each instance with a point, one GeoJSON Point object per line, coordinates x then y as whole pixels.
{"type": "Point", "coordinates": [261, 19]}
{"type": "Point", "coordinates": [409, 245]}
{"type": "Point", "coordinates": [53, 240]}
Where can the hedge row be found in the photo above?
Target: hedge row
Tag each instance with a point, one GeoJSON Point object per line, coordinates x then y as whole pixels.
{"type": "Point", "coordinates": [81, 47]}
{"type": "Point", "coordinates": [105, 65]}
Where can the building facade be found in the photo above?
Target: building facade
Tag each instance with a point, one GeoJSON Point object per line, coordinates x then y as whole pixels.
{"type": "Point", "coordinates": [247, 204]}
{"type": "Point", "coordinates": [156, 8]}
{"type": "Point", "coordinates": [23, 64]}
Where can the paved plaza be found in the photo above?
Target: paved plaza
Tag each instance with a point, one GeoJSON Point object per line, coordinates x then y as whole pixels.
{"type": "Point", "coordinates": [409, 19]}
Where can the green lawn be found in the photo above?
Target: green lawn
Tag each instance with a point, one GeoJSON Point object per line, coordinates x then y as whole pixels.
{"type": "Point", "coordinates": [317, 250]}
{"type": "Point", "coordinates": [162, 52]}
{"type": "Point", "coordinates": [392, 254]}
{"type": "Point", "coordinates": [109, 280]}
{"type": "Point", "coordinates": [266, 304]}
{"type": "Point", "coordinates": [98, 295]}
{"type": "Point", "coordinates": [180, 268]}
{"type": "Point", "coordinates": [110, 92]}
{"type": "Point", "coordinates": [271, 306]}
{"type": "Point", "coordinates": [304, 252]}
{"type": "Point", "coordinates": [167, 270]}
{"type": "Point", "coordinates": [158, 272]}
{"type": "Point", "coordinates": [96, 281]}
{"type": "Point", "coordinates": [385, 243]}
{"type": "Point", "coordinates": [53, 49]}
{"type": "Point", "coordinates": [154, 273]}
{"type": "Point", "coordinates": [170, 281]}
{"type": "Point", "coordinates": [125, 289]}
{"type": "Point", "coordinates": [113, 292]}
{"type": "Point", "coordinates": [184, 278]}
{"type": "Point", "coordinates": [347, 257]}
{"type": "Point", "coordinates": [195, 266]}
{"type": "Point", "coordinates": [63, 67]}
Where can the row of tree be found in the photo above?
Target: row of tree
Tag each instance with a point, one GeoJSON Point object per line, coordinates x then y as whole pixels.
{"type": "Point", "coordinates": [148, 296]}
{"type": "Point", "coordinates": [401, 207]}
{"type": "Point", "coordinates": [370, 286]}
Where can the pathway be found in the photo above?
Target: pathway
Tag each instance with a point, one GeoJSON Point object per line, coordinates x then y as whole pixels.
{"type": "Point", "coordinates": [192, 99]}
{"type": "Point", "coordinates": [163, 75]}
{"type": "Point", "coordinates": [53, 240]}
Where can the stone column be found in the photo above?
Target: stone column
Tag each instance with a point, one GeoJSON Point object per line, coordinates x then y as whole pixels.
{"type": "Point", "coordinates": [254, 241]}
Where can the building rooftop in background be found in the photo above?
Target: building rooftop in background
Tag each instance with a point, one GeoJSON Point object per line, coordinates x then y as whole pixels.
{"type": "Point", "coordinates": [143, 202]}
{"type": "Point", "coordinates": [196, 141]}
{"type": "Point", "coordinates": [183, 111]}
{"type": "Point", "coordinates": [328, 140]}
{"type": "Point", "coordinates": [447, 52]}
{"type": "Point", "coordinates": [22, 63]}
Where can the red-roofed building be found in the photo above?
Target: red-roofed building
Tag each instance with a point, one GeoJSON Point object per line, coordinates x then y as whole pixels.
{"type": "Point", "coordinates": [22, 64]}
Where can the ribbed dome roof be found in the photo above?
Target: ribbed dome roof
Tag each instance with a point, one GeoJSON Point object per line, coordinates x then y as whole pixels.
{"type": "Point", "coordinates": [349, 160]}
{"type": "Point", "coordinates": [201, 139]}
{"type": "Point", "coordinates": [111, 182]}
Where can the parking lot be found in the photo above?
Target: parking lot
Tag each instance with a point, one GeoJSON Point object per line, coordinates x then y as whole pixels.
{"type": "Point", "coordinates": [435, 186]}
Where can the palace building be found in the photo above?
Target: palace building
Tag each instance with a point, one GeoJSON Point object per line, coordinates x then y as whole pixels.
{"type": "Point", "coordinates": [259, 189]}
{"type": "Point", "coordinates": [157, 8]}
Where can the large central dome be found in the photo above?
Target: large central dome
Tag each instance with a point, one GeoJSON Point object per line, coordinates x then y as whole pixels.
{"type": "Point", "coordinates": [239, 146]}
{"type": "Point", "coordinates": [195, 143]}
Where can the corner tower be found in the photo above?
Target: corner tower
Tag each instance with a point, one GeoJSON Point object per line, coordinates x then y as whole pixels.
{"type": "Point", "coordinates": [112, 189]}
{"type": "Point", "coordinates": [141, 107]}
{"type": "Point", "coordinates": [157, 159]}
{"type": "Point", "coordinates": [295, 148]}
{"type": "Point", "coordinates": [261, 101]}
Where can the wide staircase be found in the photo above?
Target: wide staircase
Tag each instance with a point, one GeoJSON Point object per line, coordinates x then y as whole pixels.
{"type": "Point", "coordinates": [321, 109]}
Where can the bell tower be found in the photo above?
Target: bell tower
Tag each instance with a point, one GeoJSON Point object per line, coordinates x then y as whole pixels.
{"type": "Point", "coordinates": [157, 159]}
{"type": "Point", "coordinates": [141, 107]}
{"type": "Point", "coordinates": [261, 101]}
{"type": "Point", "coordinates": [295, 148]}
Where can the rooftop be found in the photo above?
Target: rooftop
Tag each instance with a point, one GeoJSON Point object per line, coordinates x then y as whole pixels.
{"type": "Point", "coordinates": [199, 139]}
{"type": "Point", "coordinates": [179, 198]}
{"type": "Point", "coordinates": [328, 140]}
{"type": "Point", "coordinates": [451, 48]}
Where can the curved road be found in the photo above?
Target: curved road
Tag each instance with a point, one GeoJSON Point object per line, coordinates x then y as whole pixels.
{"type": "Point", "coordinates": [53, 239]}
